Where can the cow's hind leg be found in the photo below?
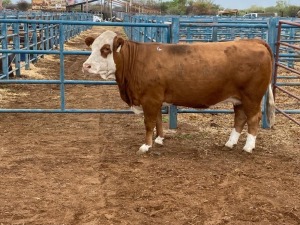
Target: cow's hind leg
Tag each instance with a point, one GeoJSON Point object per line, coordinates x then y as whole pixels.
{"type": "Point", "coordinates": [253, 113]}
{"type": "Point", "coordinates": [11, 69]}
{"type": "Point", "coordinates": [240, 120]}
{"type": "Point", "coordinates": [159, 130]}
{"type": "Point", "coordinates": [150, 118]}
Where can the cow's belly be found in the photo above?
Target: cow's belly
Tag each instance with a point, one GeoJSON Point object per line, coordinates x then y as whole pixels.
{"type": "Point", "coordinates": [203, 95]}
{"type": "Point", "coordinates": [234, 101]}
{"type": "Point", "coordinates": [200, 105]}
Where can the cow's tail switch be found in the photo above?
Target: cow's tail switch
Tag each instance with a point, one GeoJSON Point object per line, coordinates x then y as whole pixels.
{"type": "Point", "coordinates": [270, 107]}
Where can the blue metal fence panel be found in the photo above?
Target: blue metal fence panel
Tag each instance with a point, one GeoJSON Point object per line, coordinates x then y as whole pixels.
{"type": "Point", "coordinates": [62, 26]}
{"type": "Point", "coordinates": [166, 29]}
{"type": "Point", "coordinates": [29, 31]}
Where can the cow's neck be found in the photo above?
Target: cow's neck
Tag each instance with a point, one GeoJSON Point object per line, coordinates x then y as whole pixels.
{"type": "Point", "coordinates": [124, 61]}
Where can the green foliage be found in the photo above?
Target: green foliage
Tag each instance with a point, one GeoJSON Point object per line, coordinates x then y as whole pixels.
{"type": "Point", "coordinates": [190, 7]}
{"type": "Point", "coordinates": [202, 7]}
{"type": "Point", "coordinates": [6, 3]}
{"type": "Point", "coordinates": [271, 9]}
{"type": "Point", "coordinates": [292, 11]}
{"type": "Point", "coordinates": [207, 7]}
{"type": "Point", "coordinates": [255, 9]}
{"type": "Point", "coordinates": [281, 4]}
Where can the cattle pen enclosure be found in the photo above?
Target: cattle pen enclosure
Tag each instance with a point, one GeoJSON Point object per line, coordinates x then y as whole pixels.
{"type": "Point", "coordinates": [82, 168]}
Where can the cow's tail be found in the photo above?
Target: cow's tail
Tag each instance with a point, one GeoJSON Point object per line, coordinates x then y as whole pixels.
{"type": "Point", "coordinates": [270, 107]}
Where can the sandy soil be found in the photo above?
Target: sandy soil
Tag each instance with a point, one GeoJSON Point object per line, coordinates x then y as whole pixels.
{"type": "Point", "coordinates": [83, 168]}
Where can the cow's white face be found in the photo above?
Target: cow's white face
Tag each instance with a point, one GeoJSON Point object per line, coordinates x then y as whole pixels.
{"type": "Point", "coordinates": [101, 59]}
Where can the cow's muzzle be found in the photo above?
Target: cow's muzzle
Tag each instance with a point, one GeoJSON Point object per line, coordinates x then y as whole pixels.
{"type": "Point", "coordinates": [86, 67]}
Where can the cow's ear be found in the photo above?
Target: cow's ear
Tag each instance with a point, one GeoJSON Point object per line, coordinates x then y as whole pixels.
{"type": "Point", "coordinates": [118, 42]}
{"type": "Point", "coordinates": [89, 41]}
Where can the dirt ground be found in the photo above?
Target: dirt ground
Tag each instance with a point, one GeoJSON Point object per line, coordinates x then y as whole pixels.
{"type": "Point", "coordinates": [83, 168]}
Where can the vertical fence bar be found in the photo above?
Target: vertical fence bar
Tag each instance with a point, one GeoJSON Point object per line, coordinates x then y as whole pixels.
{"type": "Point", "coordinates": [16, 45]}
{"type": "Point", "coordinates": [5, 56]}
{"type": "Point", "coordinates": [34, 41]}
{"type": "Point", "coordinates": [51, 36]}
{"type": "Point", "coordinates": [47, 37]}
{"type": "Point", "coordinates": [271, 39]}
{"type": "Point", "coordinates": [62, 67]}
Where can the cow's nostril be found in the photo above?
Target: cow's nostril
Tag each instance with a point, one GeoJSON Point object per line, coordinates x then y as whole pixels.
{"type": "Point", "coordinates": [87, 66]}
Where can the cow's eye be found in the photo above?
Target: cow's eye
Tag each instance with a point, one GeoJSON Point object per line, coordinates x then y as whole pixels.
{"type": "Point", "coordinates": [105, 50]}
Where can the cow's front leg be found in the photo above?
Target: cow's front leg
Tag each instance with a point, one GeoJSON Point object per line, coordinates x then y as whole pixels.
{"type": "Point", "coordinates": [150, 118]}
{"type": "Point", "coordinates": [159, 130]}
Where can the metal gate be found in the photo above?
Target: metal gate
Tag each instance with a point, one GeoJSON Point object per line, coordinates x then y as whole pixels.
{"type": "Point", "coordinates": [288, 47]}
{"type": "Point", "coordinates": [164, 29]}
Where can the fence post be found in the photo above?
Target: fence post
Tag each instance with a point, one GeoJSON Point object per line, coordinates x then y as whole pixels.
{"type": "Point", "coordinates": [215, 30]}
{"type": "Point", "coordinates": [271, 39]}
{"type": "Point", "coordinates": [174, 40]}
{"type": "Point", "coordinates": [175, 30]}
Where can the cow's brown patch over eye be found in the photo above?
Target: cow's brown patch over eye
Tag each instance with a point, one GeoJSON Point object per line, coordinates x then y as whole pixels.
{"type": "Point", "coordinates": [105, 50]}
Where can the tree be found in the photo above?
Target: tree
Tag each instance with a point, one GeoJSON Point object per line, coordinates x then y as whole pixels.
{"type": "Point", "coordinates": [202, 7]}
{"type": "Point", "coordinates": [178, 7]}
{"type": "Point", "coordinates": [255, 9]}
{"type": "Point", "coordinates": [292, 11]}
{"type": "Point", "coordinates": [22, 5]}
{"type": "Point", "coordinates": [281, 6]}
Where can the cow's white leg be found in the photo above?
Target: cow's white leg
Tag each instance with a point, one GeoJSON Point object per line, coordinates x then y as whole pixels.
{"type": "Point", "coordinates": [159, 140]}
{"type": "Point", "coordinates": [144, 148]}
{"type": "Point", "coordinates": [159, 130]}
{"type": "Point", "coordinates": [253, 112]}
{"type": "Point", "coordinates": [151, 112]}
{"type": "Point", "coordinates": [233, 139]}
{"type": "Point", "coordinates": [250, 143]}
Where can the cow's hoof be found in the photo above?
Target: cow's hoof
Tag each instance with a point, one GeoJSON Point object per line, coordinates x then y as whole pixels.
{"type": "Point", "coordinates": [229, 144]}
{"type": "Point", "coordinates": [159, 140]}
{"type": "Point", "coordinates": [250, 143]}
{"type": "Point", "coordinates": [143, 149]}
{"type": "Point", "coordinates": [248, 149]}
{"type": "Point", "coordinates": [233, 139]}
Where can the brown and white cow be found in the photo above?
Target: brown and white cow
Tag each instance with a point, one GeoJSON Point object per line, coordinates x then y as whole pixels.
{"type": "Point", "coordinates": [192, 75]}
